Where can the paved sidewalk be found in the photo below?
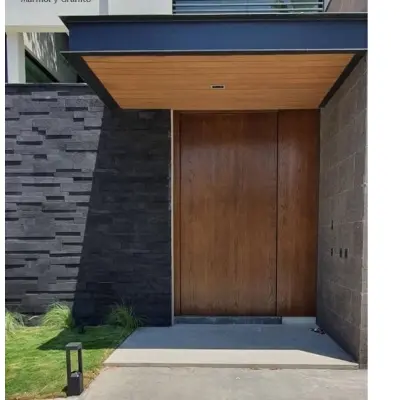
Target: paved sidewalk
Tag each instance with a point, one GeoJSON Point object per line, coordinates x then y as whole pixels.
{"type": "Point", "coordinates": [152, 383]}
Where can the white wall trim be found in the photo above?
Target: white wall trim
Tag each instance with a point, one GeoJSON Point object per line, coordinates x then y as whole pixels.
{"type": "Point", "coordinates": [15, 58]}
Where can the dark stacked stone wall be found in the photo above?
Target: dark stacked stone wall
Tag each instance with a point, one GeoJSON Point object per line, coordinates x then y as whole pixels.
{"type": "Point", "coordinates": [87, 204]}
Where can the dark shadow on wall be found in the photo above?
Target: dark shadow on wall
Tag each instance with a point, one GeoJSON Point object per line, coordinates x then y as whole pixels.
{"type": "Point", "coordinates": [126, 256]}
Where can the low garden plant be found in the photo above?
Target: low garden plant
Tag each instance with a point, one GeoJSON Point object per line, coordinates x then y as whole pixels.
{"type": "Point", "coordinates": [124, 316]}
{"type": "Point", "coordinates": [14, 321]}
{"type": "Point", "coordinates": [59, 316]}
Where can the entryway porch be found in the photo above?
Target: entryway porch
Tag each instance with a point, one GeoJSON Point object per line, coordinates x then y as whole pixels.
{"type": "Point", "coordinates": [278, 64]}
{"type": "Point", "coordinates": [258, 346]}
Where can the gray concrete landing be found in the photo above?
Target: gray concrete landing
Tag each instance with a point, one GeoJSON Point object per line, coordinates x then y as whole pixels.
{"type": "Point", "coordinates": [233, 346]}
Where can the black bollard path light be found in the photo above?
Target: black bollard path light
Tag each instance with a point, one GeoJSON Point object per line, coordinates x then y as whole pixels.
{"type": "Point", "coordinates": [74, 378]}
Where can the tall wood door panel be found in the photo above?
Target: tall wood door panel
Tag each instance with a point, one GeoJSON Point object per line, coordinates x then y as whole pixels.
{"type": "Point", "coordinates": [227, 214]}
{"type": "Point", "coordinates": [298, 170]}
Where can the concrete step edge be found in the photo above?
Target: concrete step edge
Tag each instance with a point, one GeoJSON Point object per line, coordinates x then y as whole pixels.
{"type": "Point", "coordinates": [344, 366]}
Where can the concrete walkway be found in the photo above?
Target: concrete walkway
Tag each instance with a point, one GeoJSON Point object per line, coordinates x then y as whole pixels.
{"type": "Point", "coordinates": [226, 384]}
{"type": "Point", "coordinates": [234, 346]}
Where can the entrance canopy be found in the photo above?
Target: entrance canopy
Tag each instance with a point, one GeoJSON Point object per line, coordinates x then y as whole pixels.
{"type": "Point", "coordinates": [216, 62]}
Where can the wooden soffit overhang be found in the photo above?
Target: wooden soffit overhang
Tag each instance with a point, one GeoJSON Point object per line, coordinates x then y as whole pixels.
{"type": "Point", "coordinates": [216, 62]}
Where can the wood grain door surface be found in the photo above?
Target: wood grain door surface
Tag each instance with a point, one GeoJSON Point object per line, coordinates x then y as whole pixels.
{"type": "Point", "coordinates": [228, 213]}
{"type": "Point", "coordinates": [298, 172]}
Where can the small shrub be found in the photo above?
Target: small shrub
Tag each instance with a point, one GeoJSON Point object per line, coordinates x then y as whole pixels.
{"type": "Point", "coordinates": [14, 321]}
{"type": "Point", "coordinates": [59, 316]}
{"type": "Point", "coordinates": [124, 316]}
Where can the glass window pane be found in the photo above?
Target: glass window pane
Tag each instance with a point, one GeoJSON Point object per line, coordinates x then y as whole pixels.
{"type": "Point", "coordinates": [34, 74]}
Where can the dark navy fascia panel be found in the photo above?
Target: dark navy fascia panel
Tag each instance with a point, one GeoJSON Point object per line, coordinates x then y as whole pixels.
{"type": "Point", "coordinates": [218, 35]}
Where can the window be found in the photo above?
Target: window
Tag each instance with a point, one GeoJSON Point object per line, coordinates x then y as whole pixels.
{"type": "Point", "coordinates": [35, 72]}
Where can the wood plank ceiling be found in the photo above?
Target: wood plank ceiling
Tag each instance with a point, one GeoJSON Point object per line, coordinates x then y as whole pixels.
{"type": "Point", "coordinates": [250, 82]}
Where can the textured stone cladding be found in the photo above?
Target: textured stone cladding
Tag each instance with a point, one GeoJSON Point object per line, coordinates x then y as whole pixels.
{"type": "Point", "coordinates": [87, 204]}
{"type": "Point", "coordinates": [342, 247]}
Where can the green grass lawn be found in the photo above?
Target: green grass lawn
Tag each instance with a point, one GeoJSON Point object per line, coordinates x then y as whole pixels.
{"type": "Point", "coordinates": [35, 358]}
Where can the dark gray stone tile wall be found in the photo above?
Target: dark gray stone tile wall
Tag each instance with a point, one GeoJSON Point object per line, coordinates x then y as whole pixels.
{"type": "Point", "coordinates": [342, 264]}
{"type": "Point", "coordinates": [87, 204]}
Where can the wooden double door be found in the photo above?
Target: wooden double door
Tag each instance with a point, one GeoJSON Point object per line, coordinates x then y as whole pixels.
{"type": "Point", "coordinates": [245, 213]}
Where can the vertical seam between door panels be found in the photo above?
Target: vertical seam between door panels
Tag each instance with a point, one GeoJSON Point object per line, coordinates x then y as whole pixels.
{"type": "Point", "coordinates": [277, 211]}
{"type": "Point", "coordinates": [180, 209]}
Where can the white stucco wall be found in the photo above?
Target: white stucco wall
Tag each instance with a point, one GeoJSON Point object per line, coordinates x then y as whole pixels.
{"type": "Point", "coordinates": [46, 47]}
{"type": "Point", "coordinates": [43, 15]}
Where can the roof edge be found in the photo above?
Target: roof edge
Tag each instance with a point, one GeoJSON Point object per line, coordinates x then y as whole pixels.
{"type": "Point", "coordinates": [318, 16]}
